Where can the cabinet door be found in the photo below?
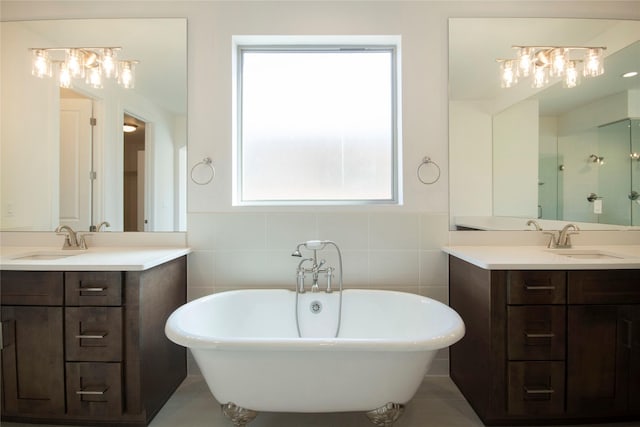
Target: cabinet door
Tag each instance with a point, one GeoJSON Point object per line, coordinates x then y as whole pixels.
{"type": "Point", "coordinates": [597, 360]}
{"type": "Point", "coordinates": [633, 341]}
{"type": "Point", "coordinates": [32, 361]}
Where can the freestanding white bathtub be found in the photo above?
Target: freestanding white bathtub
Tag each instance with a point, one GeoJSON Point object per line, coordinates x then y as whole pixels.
{"type": "Point", "coordinates": [246, 344]}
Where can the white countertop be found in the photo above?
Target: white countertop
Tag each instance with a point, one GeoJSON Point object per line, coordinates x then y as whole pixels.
{"type": "Point", "coordinates": [541, 258]}
{"type": "Point", "coordinates": [110, 258]}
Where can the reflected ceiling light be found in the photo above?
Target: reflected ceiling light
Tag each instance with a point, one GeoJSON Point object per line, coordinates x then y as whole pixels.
{"type": "Point", "coordinates": [129, 127]}
{"type": "Point", "coordinates": [94, 64]}
{"type": "Point", "coordinates": [542, 62]}
{"type": "Point", "coordinates": [630, 74]}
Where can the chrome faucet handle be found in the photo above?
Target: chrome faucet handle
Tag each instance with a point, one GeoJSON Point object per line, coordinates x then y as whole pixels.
{"type": "Point", "coordinates": [329, 277]}
{"type": "Point", "coordinates": [82, 243]}
{"type": "Point", "coordinates": [553, 242]}
{"type": "Point", "coordinates": [67, 242]}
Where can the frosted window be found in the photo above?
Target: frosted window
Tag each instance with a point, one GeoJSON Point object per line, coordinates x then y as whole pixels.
{"type": "Point", "coordinates": [317, 125]}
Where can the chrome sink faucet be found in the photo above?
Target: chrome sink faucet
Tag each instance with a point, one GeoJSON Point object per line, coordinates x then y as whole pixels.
{"type": "Point", "coordinates": [71, 238]}
{"type": "Point", "coordinates": [98, 227]}
{"type": "Point", "coordinates": [535, 224]}
{"type": "Point", "coordinates": [564, 237]}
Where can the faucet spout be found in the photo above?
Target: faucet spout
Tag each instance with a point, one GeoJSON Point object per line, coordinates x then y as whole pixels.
{"type": "Point", "coordinates": [535, 224]}
{"type": "Point", "coordinates": [564, 238]}
{"type": "Point", "coordinates": [71, 238]}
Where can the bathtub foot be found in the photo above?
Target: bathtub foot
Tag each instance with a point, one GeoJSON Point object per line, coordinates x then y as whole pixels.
{"type": "Point", "coordinates": [240, 417]}
{"type": "Point", "coordinates": [386, 415]}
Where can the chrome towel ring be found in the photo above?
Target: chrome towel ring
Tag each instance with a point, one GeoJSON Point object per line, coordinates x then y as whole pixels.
{"type": "Point", "coordinates": [428, 161]}
{"type": "Point", "coordinates": [212, 172]}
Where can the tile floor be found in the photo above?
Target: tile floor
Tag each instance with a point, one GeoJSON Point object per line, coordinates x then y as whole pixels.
{"type": "Point", "coordinates": [438, 403]}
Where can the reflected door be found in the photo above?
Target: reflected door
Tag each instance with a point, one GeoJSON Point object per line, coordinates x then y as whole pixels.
{"type": "Point", "coordinates": [75, 163]}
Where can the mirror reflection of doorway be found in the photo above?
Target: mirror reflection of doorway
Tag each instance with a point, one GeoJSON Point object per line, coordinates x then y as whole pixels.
{"type": "Point", "coordinates": [76, 160]}
{"type": "Point", "coordinates": [134, 173]}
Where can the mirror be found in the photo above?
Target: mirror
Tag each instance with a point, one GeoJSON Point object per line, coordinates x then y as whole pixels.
{"type": "Point", "coordinates": [522, 153]}
{"type": "Point", "coordinates": [60, 168]}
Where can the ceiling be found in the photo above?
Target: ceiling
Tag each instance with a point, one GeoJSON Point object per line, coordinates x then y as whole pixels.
{"type": "Point", "coordinates": [475, 44]}
{"type": "Point", "coordinates": [158, 44]}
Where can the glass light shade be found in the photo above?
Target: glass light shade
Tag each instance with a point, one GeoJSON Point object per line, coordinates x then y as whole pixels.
{"type": "Point", "coordinates": [75, 63]}
{"type": "Point", "coordinates": [41, 65]}
{"type": "Point", "coordinates": [559, 61]}
{"type": "Point", "coordinates": [540, 77]}
{"type": "Point", "coordinates": [109, 63]}
{"type": "Point", "coordinates": [94, 77]}
{"type": "Point", "coordinates": [508, 74]}
{"type": "Point", "coordinates": [525, 61]}
{"type": "Point", "coordinates": [64, 77]}
{"type": "Point", "coordinates": [571, 76]}
{"type": "Point", "coordinates": [126, 74]}
{"type": "Point", "coordinates": [593, 66]}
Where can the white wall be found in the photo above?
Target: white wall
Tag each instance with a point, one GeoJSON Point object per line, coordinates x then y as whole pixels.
{"type": "Point", "coordinates": [386, 247]}
{"type": "Point", "coordinates": [471, 137]}
{"type": "Point", "coordinates": [515, 160]}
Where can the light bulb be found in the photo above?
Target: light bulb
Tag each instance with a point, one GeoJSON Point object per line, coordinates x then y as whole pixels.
{"type": "Point", "coordinates": [64, 77]}
{"type": "Point", "coordinates": [571, 77]}
{"type": "Point", "coordinates": [41, 65]}
{"type": "Point", "coordinates": [75, 63]}
{"type": "Point", "coordinates": [540, 77]}
{"type": "Point", "coordinates": [558, 61]}
{"type": "Point", "coordinates": [94, 78]}
{"type": "Point", "coordinates": [525, 61]}
{"type": "Point", "coordinates": [126, 74]}
{"type": "Point", "coordinates": [593, 63]}
{"type": "Point", "coordinates": [108, 63]}
{"type": "Point", "coordinates": [509, 76]}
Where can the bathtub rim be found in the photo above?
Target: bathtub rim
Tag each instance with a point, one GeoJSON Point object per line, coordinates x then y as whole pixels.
{"type": "Point", "coordinates": [190, 340]}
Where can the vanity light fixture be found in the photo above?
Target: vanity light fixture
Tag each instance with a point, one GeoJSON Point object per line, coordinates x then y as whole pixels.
{"type": "Point", "coordinates": [542, 62]}
{"type": "Point", "coordinates": [596, 159]}
{"type": "Point", "coordinates": [129, 127]}
{"type": "Point", "coordinates": [93, 64]}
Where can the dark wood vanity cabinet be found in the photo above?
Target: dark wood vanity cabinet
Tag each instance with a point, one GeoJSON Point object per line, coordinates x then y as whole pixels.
{"type": "Point", "coordinates": [547, 346]}
{"type": "Point", "coordinates": [89, 347]}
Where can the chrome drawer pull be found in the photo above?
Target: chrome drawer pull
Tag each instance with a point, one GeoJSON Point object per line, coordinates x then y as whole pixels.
{"type": "Point", "coordinates": [92, 336]}
{"type": "Point", "coordinates": [548, 335]}
{"type": "Point", "coordinates": [539, 390]}
{"type": "Point", "coordinates": [94, 289]}
{"type": "Point", "coordinates": [539, 288]}
{"type": "Point", "coordinates": [92, 392]}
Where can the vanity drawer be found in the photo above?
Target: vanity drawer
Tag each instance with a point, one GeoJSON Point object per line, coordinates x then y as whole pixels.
{"type": "Point", "coordinates": [536, 287]}
{"type": "Point", "coordinates": [93, 288]}
{"type": "Point", "coordinates": [93, 334]}
{"type": "Point", "coordinates": [31, 287]}
{"type": "Point", "coordinates": [604, 287]}
{"type": "Point", "coordinates": [94, 389]}
{"type": "Point", "coordinates": [536, 332]}
{"type": "Point", "coordinates": [535, 388]}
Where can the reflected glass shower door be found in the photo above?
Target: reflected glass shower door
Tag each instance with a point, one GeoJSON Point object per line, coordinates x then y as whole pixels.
{"type": "Point", "coordinates": [634, 158]}
{"type": "Point", "coordinates": [614, 174]}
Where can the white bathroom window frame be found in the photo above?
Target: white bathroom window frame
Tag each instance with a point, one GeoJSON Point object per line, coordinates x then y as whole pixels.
{"type": "Point", "coordinates": [307, 44]}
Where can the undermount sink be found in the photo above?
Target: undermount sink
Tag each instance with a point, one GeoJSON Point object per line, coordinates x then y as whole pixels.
{"type": "Point", "coordinates": [44, 256]}
{"type": "Point", "coordinates": [586, 254]}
